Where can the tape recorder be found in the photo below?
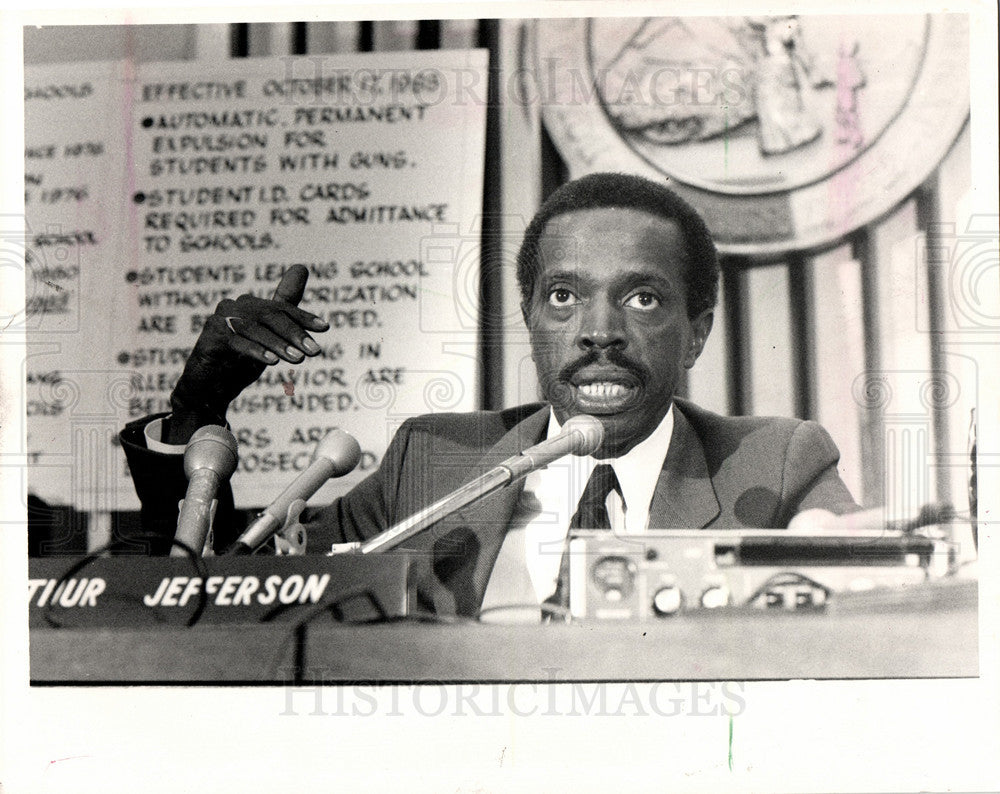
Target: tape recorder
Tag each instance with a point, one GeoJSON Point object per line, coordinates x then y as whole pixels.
{"type": "Point", "coordinates": [668, 572]}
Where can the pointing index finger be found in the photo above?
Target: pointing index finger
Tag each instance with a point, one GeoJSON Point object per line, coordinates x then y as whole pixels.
{"type": "Point", "coordinates": [290, 291]}
{"type": "Point", "coordinates": [292, 285]}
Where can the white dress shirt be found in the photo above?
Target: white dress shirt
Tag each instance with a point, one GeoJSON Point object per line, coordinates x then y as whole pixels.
{"type": "Point", "coordinates": [540, 524]}
{"type": "Point", "coordinates": [153, 432]}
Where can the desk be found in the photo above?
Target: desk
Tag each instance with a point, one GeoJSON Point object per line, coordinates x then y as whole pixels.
{"type": "Point", "coordinates": [929, 632]}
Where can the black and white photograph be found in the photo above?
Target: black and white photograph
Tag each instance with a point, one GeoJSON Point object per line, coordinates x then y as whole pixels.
{"type": "Point", "coordinates": [611, 383]}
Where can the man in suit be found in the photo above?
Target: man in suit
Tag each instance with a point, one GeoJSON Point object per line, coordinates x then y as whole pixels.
{"type": "Point", "coordinates": [619, 278]}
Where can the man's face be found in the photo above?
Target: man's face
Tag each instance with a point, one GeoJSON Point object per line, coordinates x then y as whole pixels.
{"type": "Point", "coordinates": [608, 320]}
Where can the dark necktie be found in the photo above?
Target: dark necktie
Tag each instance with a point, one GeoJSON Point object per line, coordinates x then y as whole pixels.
{"type": "Point", "coordinates": [591, 510]}
{"type": "Point", "coordinates": [591, 513]}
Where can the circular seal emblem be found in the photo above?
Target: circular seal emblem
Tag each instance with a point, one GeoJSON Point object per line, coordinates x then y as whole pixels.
{"type": "Point", "coordinates": [786, 132]}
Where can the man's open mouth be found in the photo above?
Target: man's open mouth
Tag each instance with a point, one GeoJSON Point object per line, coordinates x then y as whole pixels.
{"type": "Point", "coordinates": [605, 396]}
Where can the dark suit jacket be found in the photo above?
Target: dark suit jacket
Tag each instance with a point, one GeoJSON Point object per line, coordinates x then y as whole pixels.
{"type": "Point", "coordinates": [720, 472]}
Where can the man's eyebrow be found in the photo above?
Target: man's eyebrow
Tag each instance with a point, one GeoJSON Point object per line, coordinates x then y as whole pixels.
{"type": "Point", "coordinates": [644, 275]}
{"type": "Point", "coordinates": [632, 278]}
{"type": "Point", "coordinates": [563, 275]}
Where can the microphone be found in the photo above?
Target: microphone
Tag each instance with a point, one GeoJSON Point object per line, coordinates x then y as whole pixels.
{"type": "Point", "coordinates": [581, 435]}
{"type": "Point", "coordinates": [209, 460]}
{"type": "Point", "coordinates": [336, 455]}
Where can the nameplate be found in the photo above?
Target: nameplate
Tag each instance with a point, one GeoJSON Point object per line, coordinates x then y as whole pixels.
{"type": "Point", "coordinates": [145, 591]}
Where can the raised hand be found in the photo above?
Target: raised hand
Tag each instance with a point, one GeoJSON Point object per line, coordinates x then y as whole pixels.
{"type": "Point", "coordinates": [238, 341]}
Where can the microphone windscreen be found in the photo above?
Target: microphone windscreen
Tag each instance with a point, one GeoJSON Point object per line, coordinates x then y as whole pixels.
{"type": "Point", "coordinates": [342, 449]}
{"type": "Point", "coordinates": [211, 447]}
{"type": "Point", "coordinates": [590, 433]}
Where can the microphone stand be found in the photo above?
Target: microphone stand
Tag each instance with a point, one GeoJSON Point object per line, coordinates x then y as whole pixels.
{"type": "Point", "coordinates": [581, 435]}
{"type": "Point", "coordinates": [482, 486]}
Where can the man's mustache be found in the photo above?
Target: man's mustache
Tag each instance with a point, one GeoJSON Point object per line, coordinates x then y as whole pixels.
{"type": "Point", "coordinates": [611, 356]}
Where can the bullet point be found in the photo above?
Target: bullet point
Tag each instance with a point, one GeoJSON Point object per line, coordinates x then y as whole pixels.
{"type": "Point", "coordinates": [147, 122]}
{"type": "Point", "coordinates": [123, 358]}
{"type": "Point", "coordinates": [139, 197]}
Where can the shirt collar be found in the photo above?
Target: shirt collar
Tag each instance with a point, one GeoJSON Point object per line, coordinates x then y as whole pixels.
{"type": "Point", "coordinates": [638, 470]}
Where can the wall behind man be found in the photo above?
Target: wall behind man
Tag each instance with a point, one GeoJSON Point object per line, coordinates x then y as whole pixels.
{"type": "Point", "coordinates": [786, 330]}
{"type": "Point", "coordinates": [141, 43]}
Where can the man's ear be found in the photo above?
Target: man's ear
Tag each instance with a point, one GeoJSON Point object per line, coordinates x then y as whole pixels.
{"type": "Point", "coordinates": [701, 327]}
{"type": "Point", "coordinates": [526, 313]}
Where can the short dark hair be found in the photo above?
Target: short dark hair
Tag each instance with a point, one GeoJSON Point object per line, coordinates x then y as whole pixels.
{"type": "Point", "coordinates": [626, 191]}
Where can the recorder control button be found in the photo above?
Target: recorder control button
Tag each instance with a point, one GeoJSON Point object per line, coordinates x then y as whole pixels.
{"type": "Point", "coordinates": [668, 600]}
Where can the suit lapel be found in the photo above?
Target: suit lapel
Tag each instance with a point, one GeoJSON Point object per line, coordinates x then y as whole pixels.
{"type": "Point", "coordinates": [684, 497]}
{"type": "Point", "coordinates": [468, 542]}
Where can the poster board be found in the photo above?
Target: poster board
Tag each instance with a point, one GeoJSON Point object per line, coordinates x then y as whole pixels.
{"type": "Point", "coordinates": [153, 191]}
